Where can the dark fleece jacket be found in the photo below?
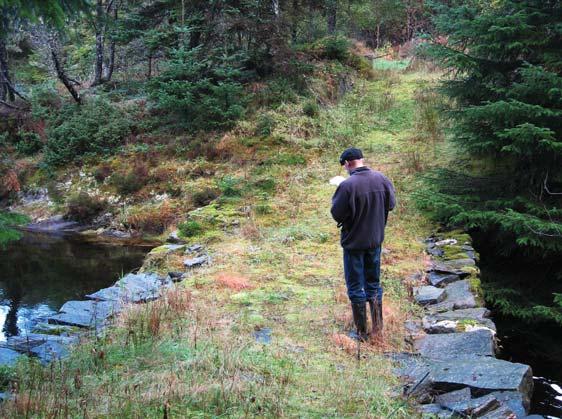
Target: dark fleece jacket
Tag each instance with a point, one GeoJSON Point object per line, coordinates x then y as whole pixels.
{"type": "Point", "coordinates": [360, 205]}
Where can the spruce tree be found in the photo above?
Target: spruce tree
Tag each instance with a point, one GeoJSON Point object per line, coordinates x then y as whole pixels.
{"type": "Point", "coordinates": [506, 88]}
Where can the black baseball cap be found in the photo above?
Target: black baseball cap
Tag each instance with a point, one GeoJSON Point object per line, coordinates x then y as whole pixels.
{"type": "Point", "coordinates": [349, 154]}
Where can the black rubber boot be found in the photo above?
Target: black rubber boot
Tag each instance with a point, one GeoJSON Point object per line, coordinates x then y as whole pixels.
{"type": "Point", "coordinates": [360, 319]}
{"type": "Point", "coordinates": [376, 316]}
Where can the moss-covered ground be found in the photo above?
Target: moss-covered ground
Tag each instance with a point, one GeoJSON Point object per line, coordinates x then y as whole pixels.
{"type": "Point", "coordinates": [262, 330]}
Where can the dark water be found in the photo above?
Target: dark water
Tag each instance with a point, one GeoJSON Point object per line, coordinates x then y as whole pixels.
{"type": "Point", "coordinates": [538, 344]}
{"type": "Point", "coordinates": [40, 272]}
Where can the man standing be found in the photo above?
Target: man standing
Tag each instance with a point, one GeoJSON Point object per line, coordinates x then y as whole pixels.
{"type": "Point", "coordinates": [360, 206]}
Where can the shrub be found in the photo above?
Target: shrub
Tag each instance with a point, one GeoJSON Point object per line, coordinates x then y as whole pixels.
{"type": "Point", "coordinates": [230, 186]}
{"type": "Point", "coordinates": [265, 125]}
{"type": "Point", "coordinates": [204, 197]}
{"type": "Point", "coordinates": [132, 181]}
{"type": "Point", "coordinates": [102, 172]}
{"type": "Point", "coordinates": [153, 219]}
{"type": "Point", "coordinates": [334, 48]}
{"type": "Point", "coordinates": [311, 109]}
{"type": "Point", "coordinates": [266, 184]}
{"type": "Point", "coordinates": [96, 127]}
{"type": "Point", "coordinates": [190, 228]}
{"type": "Point", "coordinates": [83, 207]}
{"type": "Point", "coordinates": [28, 143]}
{"type": "Point", "coordinates": [205, 93]}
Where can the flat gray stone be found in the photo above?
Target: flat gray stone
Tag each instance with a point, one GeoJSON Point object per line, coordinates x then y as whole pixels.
{"type": "Point", "coordinates": [475, 407]}
{"type": "Point", "coordinates": [434, 411]}
{"type": "Point", "coordinates": [428, 294]}
{"type": "Point", "coordinates": [457, 396]}
{"type": "Point", "coordinates": [86, 313]}
{"type": "Point", "coordinates": [460, 263]}
{"type": "Point", "coordinates": [8, 356]}
{"type": "Point", "coordinates": [194, 262]}
{"type": "Point", "coordinates": [26, 343]}
{"type": "Point", "coordinates": [458, 295]}
{"type": "Point", "coordinates": [50, 351]}
{"type": "Point", "coordinates": [503, 412]}
{"type": "Point", "coordinates": [483, 374]}
{"type": "Point", "coordinates": [513, 401]}
{"type": "Point", "coordinates": [133, 288]}
{"type": "Point", "coordinates": [446, 268]}
{"type": "Point", "coordinates": [458, 320]}
{"type": "Point", "coordinates": [452, 345]}
{"type": "Point", "coordinates": [438, 279]}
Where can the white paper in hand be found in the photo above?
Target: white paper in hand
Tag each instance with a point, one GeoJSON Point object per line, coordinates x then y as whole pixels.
{"type": "Point", "coordinates": [336, 180]}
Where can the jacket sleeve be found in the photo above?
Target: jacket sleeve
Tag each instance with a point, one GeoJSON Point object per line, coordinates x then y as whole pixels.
{"type": "Point", "coordinates": [391, 196]}
{"type": "Point", "coordinates": [340, 204]}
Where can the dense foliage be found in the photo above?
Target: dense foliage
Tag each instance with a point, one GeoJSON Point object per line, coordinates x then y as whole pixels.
{"type": "Point", "coordinates": [506, 88]}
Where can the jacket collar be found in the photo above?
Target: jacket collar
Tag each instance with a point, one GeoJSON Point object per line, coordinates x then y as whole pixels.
{"type": "Point", "coordinates": [359, 169]}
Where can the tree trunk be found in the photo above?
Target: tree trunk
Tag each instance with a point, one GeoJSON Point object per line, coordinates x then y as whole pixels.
{"type": "Point", "coordinates": [111, 62]}
{"type": "Point", "coordinates": [63, 77]}
{"type": "Point", "coordinates": [99, 28]}
{"type": "Point", "coordinates": [332, 16]}
{"type": "Point", "coordinates": [6, 89]}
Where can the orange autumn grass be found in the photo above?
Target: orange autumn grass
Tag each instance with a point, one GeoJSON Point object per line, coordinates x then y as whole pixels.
{"type": "Point", "coordinates": [393, 330]}
{"type": "Point", "coordinates": [233, 281]}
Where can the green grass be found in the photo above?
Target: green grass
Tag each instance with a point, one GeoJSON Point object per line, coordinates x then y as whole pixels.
{"type": "Point", "coordinates": [7, 222]}
{"type": "Point", "coordinates": [193, 353]}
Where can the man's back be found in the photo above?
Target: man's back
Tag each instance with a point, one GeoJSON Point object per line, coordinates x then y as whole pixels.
{"type": "Point", "coordinates": [361, 205]}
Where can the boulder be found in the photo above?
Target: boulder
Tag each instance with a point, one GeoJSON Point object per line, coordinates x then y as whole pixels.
{"type": "Point", "coordinates": [176, 276]}
{"type": "Point", "coordinates": [434, 251]}
{"type": "Point", "coordinates": [446, 242]}
{"type": "Point", "coordinates": [452, 345]}
{"type": "Point", "coordinates": [194, 248]}
{"type": "Point", "coordinates": [428, 294]}
{"type": "Point", "coordinates": [460, 263]}
{"type": "Point", "coordinates": [133, 288]}
{"type": "Point", "coordinates": [458, 295]}
{"type": "Point", "coordinates": [8, 356]}
{"type": "Point", "coordinates": [438, 279]}
{"type": "Point", "coordinates": [503, 412]}
{"type": "Point", "coordinates": [87, 313]}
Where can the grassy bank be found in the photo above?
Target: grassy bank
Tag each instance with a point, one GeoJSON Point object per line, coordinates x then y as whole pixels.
{"type": "Point", "coordinates": [276, 267]}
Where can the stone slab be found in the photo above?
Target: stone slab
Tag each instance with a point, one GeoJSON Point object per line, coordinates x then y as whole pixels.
{"type": "Point", "coordinates": [458, 320]}
{"type": "Point", "coordinates": [26, 343]}
{"type": "Point", "coordinates": [439, 279]}
{"type": "Point", "coordinates": [428, 294]}
{"type": "Point", "coordinates": [457, 396]}
{"type": "Point", "coordinates": [8, 356]}
{"type": "Point", "coordinates": [452, 345]}
{"type": "Point", "coordinates": [133, 288]}
{"type": "Point", "coordinates": [194, 262]}
{"type": "Point", "coordinates": [86, 313]}
{"type": "Point", "coordinates": [458, 295]}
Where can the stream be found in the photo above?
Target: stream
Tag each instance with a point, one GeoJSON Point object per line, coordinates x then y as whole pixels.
{"type": "Point", "coordinates": [40, 272]}
{"type": "Point", "coordinates": [538, 344]}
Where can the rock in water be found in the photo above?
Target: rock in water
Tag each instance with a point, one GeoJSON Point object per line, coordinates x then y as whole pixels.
{"type": "Point", "coordinates": [87, 313]}
{"type": "Point", "coordinates": [133, 288]}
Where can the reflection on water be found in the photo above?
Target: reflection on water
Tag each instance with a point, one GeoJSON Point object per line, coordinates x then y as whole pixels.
{"type": "Point", "coordinates": [39, 273]}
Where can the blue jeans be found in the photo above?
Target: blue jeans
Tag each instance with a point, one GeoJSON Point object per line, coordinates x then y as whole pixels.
{"type": "Point", "coordinates": [362, 274]}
